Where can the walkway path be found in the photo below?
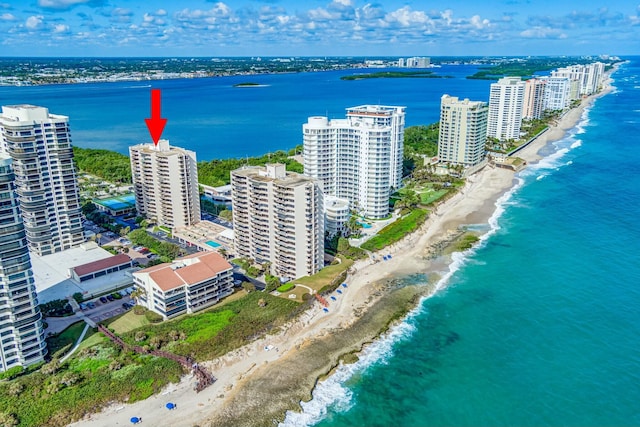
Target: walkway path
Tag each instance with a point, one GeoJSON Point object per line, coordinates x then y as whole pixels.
{"type": "Point", "coordinates": [75, 347]}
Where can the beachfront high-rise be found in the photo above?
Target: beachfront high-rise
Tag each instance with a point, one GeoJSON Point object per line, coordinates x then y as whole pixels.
{"type": "Point", "coordinates": [358, 158]}
{"type": "Point", "coordinates": [21, 331]}
{"type": "Point", "coordinates": [463, 131]}
{"type": "Point", "coordinates": [587, 76]}
{"type": "Point", "coordinates": [165, 181]}
{"type": "Point", "coordinates": [505, 108]}
{"type": "Point", "coordinates": [556, 93]}
{"type": "Point", "coordinates": [46, 183]}
{"type": "Point", "coordinates": [533, 99]}
{"type": "Point", "coordinates": [277, 218]}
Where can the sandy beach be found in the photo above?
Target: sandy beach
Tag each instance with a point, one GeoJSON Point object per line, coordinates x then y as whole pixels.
{"type": "Point", "coordinates": [257, 383]}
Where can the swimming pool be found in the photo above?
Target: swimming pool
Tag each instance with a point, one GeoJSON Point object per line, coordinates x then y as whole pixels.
{"type": "Point", "coordinates": [213, 244]}
{"type": "Point", "coordinates": [364, 224]}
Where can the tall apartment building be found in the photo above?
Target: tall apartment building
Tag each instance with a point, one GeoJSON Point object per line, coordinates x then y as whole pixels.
{"type": "Point", "coordinates": [587, 76]}
{"type": "Point", "coordinates": [556, 93]}
{"type": "Point", "coordinates": [463, 131]}
{"type": "Point", "coordinates": [165, 181]}
{"type": "Point", "coordinates": [358, 158]}
{"type": "Point", "coordinates": [506, 99]}
{"type": "Point", "coordinates": [21, 331]}
{"type": "Point", "coordinates": [533, 106]}
{"type": "Point", "coordinates": [40, 145]}
{"type": "Point", "coordinates": [278, 218]}
{"type": "Point", "coordinates": [415, 62]}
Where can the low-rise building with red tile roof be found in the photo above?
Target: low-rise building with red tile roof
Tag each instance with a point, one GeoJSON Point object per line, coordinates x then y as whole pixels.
{"type": "Point", "coordinates": [185, 285]}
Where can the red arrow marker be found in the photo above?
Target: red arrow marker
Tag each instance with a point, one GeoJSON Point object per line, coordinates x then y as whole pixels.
{"type": "Point", "coordinates": [155, 123]}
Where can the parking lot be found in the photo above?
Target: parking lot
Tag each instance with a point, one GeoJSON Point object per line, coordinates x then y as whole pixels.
{"type": "Point", "coordinates": [105, 309]}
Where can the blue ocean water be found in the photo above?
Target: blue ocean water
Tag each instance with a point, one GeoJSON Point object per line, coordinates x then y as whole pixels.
{"type": "Point", "coordinates": [216, 120]}
{"type": "Point", "coordinates": [537, 326]}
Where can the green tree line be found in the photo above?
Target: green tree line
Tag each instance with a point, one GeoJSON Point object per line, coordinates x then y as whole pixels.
{"type": "Point", "coordinates": [108, 165]}
{"type": "Point", "coordinates": [115, 167]}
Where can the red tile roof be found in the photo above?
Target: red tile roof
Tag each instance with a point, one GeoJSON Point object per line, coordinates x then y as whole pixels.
{"type": "Point", "coordinates": [102, 264]}
{"type": "Point", "coordinates": [199, 267]}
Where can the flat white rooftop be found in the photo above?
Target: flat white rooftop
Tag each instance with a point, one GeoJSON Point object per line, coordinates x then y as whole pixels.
{"type": "Point", "coordinates": [51, 272]}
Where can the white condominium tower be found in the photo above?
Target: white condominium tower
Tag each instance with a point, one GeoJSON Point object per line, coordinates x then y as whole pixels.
{"type": "Point", "coordinates": [165, 181]}
{"type": "Point", "coordinates": [587, 76]}
{"type": "Point", "coordinates": [358, 158]}
{"type": "Point", "coordinates": [556, 93]}
{"type": "Point", "coordinates": [40, 145]}
{"type": "Point", "coordinates": [21, 333]}
{"type": "Point", "coordinates": [463, 131]}
{"type": "Point", "coordinates": [533, 99]}
{"type": "Point", "coordinates": [277, 218]}
{"type": "Point", "coordinates": [505, 108]}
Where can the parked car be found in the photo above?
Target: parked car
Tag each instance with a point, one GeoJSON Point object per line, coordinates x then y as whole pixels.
{"type": "Point", "coordinates": [103, 300]}
{"type": "Point", "coordinates": [83, 306]}
{"type": "Point", "coordinates": [109, 297]}
{"type": "Point", "coordinates": [123, 292]}
{"type": "Point", "coordinates": [126, 306]}
{"type": "Point", "coordinates": [91, 304]}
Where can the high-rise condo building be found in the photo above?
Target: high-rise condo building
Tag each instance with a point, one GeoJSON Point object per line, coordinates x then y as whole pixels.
{"type": "Point", "coordinates": [533, 99]}
{"type": "Point", "coordinates": [556, 93]}
{"type": "Point", "coordinates": [463, 131]}
{"type": "Point", "coordinates": [278, 218]}
{"type": "Point", "coordinates": [505, 108]}
{"type": "Point", "coordinates": [587, 76]}
{"type": "Point", "coordinates": [21, 331]}
{"type": "Point", "coordinates": [358, 158]}
{"type": "Point", "coordinates": [40, 145]}
{"type": "Point", "coordinates": [165, 181]}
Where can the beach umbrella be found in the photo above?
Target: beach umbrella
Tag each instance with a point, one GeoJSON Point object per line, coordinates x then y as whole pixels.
{"type": "Point", "coordinates": [339, 291]}
{"type": "Point", "coordinates": [170, 406]}
{"type": "Point", "coordinates": [344, 285]}
{"type": "Point", "coordinates": [326, 310]}
{"type": "Point", "coordinates": [333, 298]}
{"type": "Point", "coordinates": [135, 420]}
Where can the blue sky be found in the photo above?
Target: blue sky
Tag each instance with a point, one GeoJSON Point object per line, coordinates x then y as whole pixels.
{"type": "Point", "coordinates": [318, 27]}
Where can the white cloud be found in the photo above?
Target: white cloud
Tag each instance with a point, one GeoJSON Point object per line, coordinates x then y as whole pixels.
{"type": "Point", "coordinates": [7, 17]}
{"type": "Point", "coordinates": [34, 22]}
{"type": "Point", "coordinates": [60, 28]}
{"type": "Point", "coordinates": [543, 33]}
{"type": "Point", "coordinates": [407, 17]}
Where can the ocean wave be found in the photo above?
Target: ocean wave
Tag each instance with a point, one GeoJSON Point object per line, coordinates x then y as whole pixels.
{"type": "Point", "coordinates": [332, 392]}
{"type": "Point", "coordinates": [576, 144]}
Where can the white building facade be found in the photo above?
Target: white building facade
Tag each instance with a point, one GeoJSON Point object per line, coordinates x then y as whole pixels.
{"type": "Point", "coordinates": [185, 285]}
{"type": "Point", "coordinates": [165, 181]}
{"type": "Point", "coordinates": [22, 340]}
{"type": "Point", "coordinates": [556, 93]}
{"type": "Point", "coordinates": [358, 158]}
{"type": "Point", "coordinates": [506, 100]}
{"type": "Point", "coordinates": [278, 218]}
{"type": "Point", "coordinates": [46, 183]}
{"type": "Point", "coordinates": [463, 131]}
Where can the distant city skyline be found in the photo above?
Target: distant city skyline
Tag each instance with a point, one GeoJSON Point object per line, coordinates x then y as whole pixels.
{"type": "Point", "coordinates": [59, 28]}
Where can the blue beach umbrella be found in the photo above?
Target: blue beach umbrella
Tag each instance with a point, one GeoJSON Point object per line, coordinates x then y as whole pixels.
{"type": "Point", "coordinates": [135, 420]}
{"type": "Point", "coordinates": [333, 298]}
{"type": "Point", "coordinates": [326, 310]}
{"type": "Point", "coordinates": [170, 406]}
{"type": "Point", "coordinates": [339, 291]}
{"type": "Point", "coordinates": [344, 285]}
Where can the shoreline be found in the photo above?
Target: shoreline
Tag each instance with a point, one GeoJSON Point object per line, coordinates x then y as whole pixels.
{"type": "Point", "coordinates": [256, 386]}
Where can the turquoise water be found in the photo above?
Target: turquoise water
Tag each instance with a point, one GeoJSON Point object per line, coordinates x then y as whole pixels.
{"type": "Point", "coordinates": [213, 244]}
{"type": "Point", "coordinates": [539, 325]}
{"type": "Point", "coordinates": [364, 225]}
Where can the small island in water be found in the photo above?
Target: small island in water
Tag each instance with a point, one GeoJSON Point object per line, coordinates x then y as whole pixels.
{"type": "Point", "coordinates": [395, 74]}
{"type": "Point", "coordinates": [249, 84]}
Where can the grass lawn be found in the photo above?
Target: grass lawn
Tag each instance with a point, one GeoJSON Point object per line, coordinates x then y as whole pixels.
{"type": "Point", "coordinates": [431, 195]}
{"type": "Point", "coordinates": [396, 230]}
{"type": "Point", "coordinates": [66, 337]}
{"type": "Point", "coordinates": [325, 276]}
{"type": "Point", "coordinates": [128, 322]}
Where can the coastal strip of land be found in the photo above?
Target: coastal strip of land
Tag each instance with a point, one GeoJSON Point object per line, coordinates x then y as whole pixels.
{"type": "Point", "coordinates": [258, 383]}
